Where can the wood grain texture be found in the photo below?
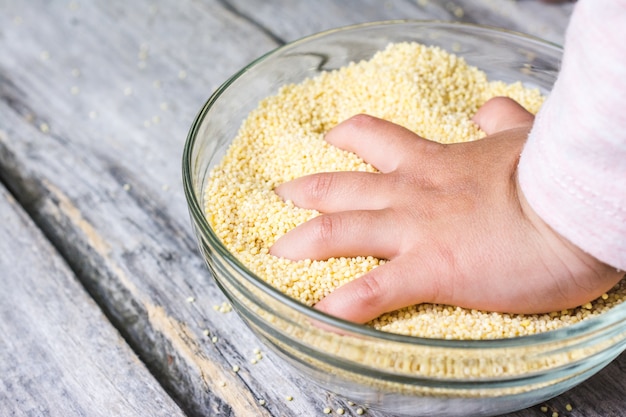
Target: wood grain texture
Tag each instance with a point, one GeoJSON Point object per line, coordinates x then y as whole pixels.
{"type": "Point", "coordinates": [99, 170]}
{"type": "Point", "coordinates": [284, 19]}
{"type": "Point", "coordinates": [59, 354]}
{"type": "Point", "coordinates": [95, 102]}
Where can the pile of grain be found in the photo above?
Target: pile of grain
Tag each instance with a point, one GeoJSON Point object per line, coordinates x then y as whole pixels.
{"type": "Point", "coordinates": [428, 90]}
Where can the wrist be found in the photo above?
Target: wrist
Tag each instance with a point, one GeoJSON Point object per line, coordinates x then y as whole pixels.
{"type": "Point", "coordinates": [564, 258]}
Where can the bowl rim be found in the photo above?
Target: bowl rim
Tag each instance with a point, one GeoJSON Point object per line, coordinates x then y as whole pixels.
{"type": "Point", "coordinates": [610, 318]}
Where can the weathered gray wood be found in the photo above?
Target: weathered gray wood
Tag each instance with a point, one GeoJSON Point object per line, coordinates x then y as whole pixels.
{"type": "Point", "coordinates": [99, 170]}
{"type": "Point", "coordinates": [95, 102]}
{"type": "Point", "coordinates": [59, 355]}
{"type": "Point", "coordinates": [285, 18]}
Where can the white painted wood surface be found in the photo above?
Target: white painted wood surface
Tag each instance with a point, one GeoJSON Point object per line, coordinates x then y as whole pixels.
{"type": "Point", "coordinates": [95, 102]}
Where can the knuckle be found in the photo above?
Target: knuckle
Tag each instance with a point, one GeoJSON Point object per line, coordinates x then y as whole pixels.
{"type": "Point", "coordinates": [317, 187]}
{"type": "Point", "coordinates": [325, 229]}
{"type": "Point", "coordinates": [370, 291]}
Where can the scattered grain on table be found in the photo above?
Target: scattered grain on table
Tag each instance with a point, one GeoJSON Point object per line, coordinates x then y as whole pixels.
{"type": "Point", "coordinates": [224, 307]}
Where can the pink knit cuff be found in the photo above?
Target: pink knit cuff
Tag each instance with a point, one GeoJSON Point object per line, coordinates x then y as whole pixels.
{"type": "Point", "coordinates": [573, 167]}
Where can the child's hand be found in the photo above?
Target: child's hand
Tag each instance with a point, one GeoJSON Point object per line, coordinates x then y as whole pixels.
{"type": "Point", "coordinates": [450, 219]}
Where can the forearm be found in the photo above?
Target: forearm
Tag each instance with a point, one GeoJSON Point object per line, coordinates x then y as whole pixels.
{"type": "Point", "coordinates": [573, 167]}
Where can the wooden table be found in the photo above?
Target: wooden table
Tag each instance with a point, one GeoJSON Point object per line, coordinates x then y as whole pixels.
{"type": "Point", "coordinates": [106, 308]}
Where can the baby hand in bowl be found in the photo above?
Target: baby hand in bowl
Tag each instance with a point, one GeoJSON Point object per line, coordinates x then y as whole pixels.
{"type": "Point", "coordinates": [450, 219]}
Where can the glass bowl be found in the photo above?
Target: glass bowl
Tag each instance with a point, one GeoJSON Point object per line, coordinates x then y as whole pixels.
{"type": "Point", "coordinates": [398, 374]}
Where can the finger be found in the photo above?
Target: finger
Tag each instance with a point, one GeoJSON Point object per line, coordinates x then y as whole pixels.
{"type": "Point", "coordinates": [337, 191]}
{"type": "Point", "coordinates": [378, 142]}
{"type": "Point", "coordinates": [386, 288]}
{"type": "Point", "coordinates": [346, 233]}
{"type": "Point", "coordinates": [502, 113]}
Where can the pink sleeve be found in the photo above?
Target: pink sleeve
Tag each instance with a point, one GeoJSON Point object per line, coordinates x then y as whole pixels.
{"type": "Point", "coordinates": [573, 168]}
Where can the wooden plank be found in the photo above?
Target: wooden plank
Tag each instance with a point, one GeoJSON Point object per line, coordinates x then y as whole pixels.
{"type": "Point", "coordinates": [284, 18]}
{"type": "Point", "coordinates": [91, 136]}
{"type": "Point", "coordinates": [99, 170]}
{"type": "Point", "coordinates": [59, 355]}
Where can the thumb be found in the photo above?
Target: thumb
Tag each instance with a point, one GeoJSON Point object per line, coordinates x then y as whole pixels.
{"type": "Point", "coordinates": [502, 113]}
